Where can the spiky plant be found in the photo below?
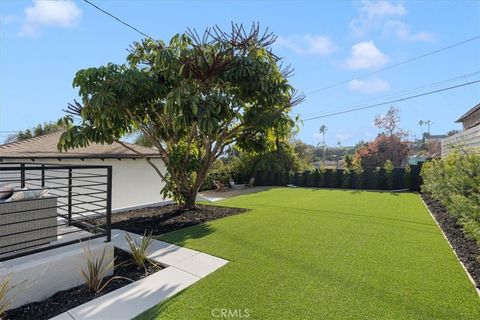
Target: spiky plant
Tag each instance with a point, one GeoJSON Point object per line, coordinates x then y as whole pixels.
{"type": "Point", "coordinates": [139, 248]}
{"type": "Point", "coordinates": [5, 298]}
{"type": "Point", "coordinates": [97, 269]}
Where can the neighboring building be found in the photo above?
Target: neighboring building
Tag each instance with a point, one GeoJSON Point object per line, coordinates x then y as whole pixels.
{"type": "Point", "coordinates": [434, 137]}
{"type": "Point", "coordinates": [134, 182]}
{"type": "Point", "coordinates": [470, 137]}
{"type": "Point", "coordinates": [471, 118]}
{"type": "Point", "coordinates": [416, 159]}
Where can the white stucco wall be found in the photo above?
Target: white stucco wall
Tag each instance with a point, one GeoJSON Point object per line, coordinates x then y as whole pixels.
{"type": "Point", "coordinates": [38, 276]}
{"type": "Point", "coordinates": [134, 182]}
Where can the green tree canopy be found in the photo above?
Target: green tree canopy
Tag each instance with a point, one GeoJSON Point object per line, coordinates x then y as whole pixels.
{"type": "Point", "coordinates": [190, 98]}
{"type": "Point", "coordinates": [39, 130]}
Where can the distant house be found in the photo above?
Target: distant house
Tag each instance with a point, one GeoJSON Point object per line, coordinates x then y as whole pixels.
{"type": "Point", "coordinates": [469, 137]}
{"type": "Point", "coordinates": [434, 137]}
{"type": "Point", "coordinates": [134, 181]}
{"type": "Point", "coordinates": [471, 118]}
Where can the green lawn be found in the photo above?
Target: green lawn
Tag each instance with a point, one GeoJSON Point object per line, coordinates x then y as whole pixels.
{"type": "Point", "coordinates": [325, 254]}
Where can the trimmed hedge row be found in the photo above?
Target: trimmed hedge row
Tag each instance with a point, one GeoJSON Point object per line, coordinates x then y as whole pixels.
{"type": "Point", "coordinates": [370, 178]}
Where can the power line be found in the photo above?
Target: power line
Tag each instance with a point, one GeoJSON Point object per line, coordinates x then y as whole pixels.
{"type": "Point", "coordinates": [394, 65]}
{"type": "Point", "coordinates": [393, 101]}
{"type": "Point", "coordinates": [399, 93]}
{"type": "Point", "coordinates": [118, 19]}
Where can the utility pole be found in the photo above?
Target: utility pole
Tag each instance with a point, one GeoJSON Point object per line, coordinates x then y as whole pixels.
{"type": "Point", "coordinates": [421, 123]}
{"type": "Point", "coordinates": [428, 123]}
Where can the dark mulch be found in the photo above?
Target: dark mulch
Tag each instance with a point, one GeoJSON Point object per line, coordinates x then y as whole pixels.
{"type": "Point", "coordinates": [467, 249]}
{"type": "Point", "coordinates": [65, 300]}
{"type": "Point", "coordinates": [167, 218]}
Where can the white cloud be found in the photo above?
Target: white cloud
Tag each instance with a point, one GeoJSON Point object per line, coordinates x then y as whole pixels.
{"type": "Point", "coordinates": [369, 86]}
{"type": "Point", "coordinates": [61, 13]}
{"type": "Point", "coordinates": [403, 31]}
{"type": "Point", "coordinates": [382, 8]}
{"type": "Point", "coordinates": [308, 44]}
{"type": "Point", "coordinates": [373, 13]}
{"type": "Point", "coordinates": [365, 55]}
{"type": "Point", "coordinates": [7, 19]}
{"type": "Point", "coordinates": [385, 15]}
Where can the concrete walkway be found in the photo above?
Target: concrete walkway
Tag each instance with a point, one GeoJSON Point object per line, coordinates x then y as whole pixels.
{"type": "Point", "coordinates": [213, 196]}
{"type": "Point", "coordinates": [184, 267]}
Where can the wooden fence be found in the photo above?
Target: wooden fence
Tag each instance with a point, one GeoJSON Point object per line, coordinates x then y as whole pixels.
{"type": "Point", "coordinates": [467, 139]}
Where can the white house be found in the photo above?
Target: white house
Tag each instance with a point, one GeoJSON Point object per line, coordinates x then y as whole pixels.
{"type": "Point", "coordinates": [134, 182]}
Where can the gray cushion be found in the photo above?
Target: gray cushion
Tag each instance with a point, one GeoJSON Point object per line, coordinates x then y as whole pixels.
{"type": "Point", "coordinates": [26, 195]}
{"type": "Point", "coordinates": [5, 192]}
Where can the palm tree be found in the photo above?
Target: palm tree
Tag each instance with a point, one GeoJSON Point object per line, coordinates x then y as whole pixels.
{"type": "Point", "coordinates": [323, 130]}
{"type": "Point", "coordinates": [428, 123]}
{"type": "Point", "coordinates": [421, 123]}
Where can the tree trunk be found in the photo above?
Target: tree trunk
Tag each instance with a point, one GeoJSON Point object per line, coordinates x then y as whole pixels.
{"type": "Point", "coordinates": [190, 200]}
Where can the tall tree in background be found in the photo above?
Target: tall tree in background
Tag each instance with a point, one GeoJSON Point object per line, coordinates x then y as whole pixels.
{"type": "Point", "coordinates": [38, 130]}
{"type": "Point", "coordinates": [388, 145]}
{"type": "Point", "coordinates": [421, 123]}
{"type": "Point", "coordinates": [191, 99]}
{"type": "Point", "coordinates": [389, 122]}
{"type": "Point", "coordinates": [428, 123]}
{"type": "Point", "coordinates": [323, 130]}
{"type": "Point", "coordinates": [383, 148]}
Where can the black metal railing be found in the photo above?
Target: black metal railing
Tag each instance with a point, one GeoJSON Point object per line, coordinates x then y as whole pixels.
{"type": "Point", "coordinates": [53, 206]}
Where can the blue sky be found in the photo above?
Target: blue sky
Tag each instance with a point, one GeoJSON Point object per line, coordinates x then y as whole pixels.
{"type": "Point", "coordinates": [43, 44]}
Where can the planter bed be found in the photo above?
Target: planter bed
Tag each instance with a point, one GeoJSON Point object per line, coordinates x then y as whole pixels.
{"type": "Point", "coordinates": [65, 300]}
{"type": "Point", "coordinates": [466, 249]}
{"type": "Point", "coordinates": [167, 218]}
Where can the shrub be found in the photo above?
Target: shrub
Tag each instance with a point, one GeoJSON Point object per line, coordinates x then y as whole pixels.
{"type": "Point", "coordinates": [5, 299]}
{"type": "Point", "coordinates": [307, 179]}
{"type": "Point", "coordinates": [376, 177]}
{"type": "Point", "coordinates": [139, 248]}
{"type": "Point", "coordinates": [316, 177]}
{"type": "Point", "coordinates": [358, 170]}
{"type": "Point", "coordinates": [327, 178]}
{"type": "Point", "coordinates": [322, 172]}
{"type": "Point", "coordinates": [408, 176]}
{"type": "Point", "coordinates": [337, 178]}
{"type": "Point", "coordinates": [98, 267]}
{"type": "Point", "coordinates": [455, 182]}
{"type": "Point", "coordinates": [346, 178]}
{"type": "Point", "coordinates": [291, 178]}
{"type": "Point", "coordinates": [388, 167]}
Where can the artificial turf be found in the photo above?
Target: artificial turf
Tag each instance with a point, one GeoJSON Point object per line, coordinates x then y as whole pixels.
{"type": "Point", "coordinates": [325, 254]}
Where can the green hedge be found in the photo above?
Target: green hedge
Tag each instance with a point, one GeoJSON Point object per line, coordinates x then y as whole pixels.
{"type": "Point", "coordinates": [455, 182]}
{"type": "Point", "coordinates": [370, 178]}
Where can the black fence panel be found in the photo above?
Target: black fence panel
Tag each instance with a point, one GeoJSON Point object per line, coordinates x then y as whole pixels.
{"type": "Point", "coordinates": [370, 178]}
{"type": "Point", "coordinates": [50, 206]}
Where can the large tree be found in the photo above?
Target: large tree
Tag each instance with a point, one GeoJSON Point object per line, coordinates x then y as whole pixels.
{"type": "Point", "coordinates": [190, 98]}
{"type": "Point", "coordinates": [388, 145]}
{"type": "Point", "coordinates": [384, 147]}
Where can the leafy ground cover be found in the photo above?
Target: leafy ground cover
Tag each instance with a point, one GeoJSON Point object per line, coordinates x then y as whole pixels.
{"type": "Point", "coordinates": [325, 254]}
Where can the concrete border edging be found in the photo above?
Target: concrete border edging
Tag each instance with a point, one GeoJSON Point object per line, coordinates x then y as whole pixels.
{"type": "Point", "coordinates": [453, 249]}
{"type": "Point", "coordinates": [184, 267]}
